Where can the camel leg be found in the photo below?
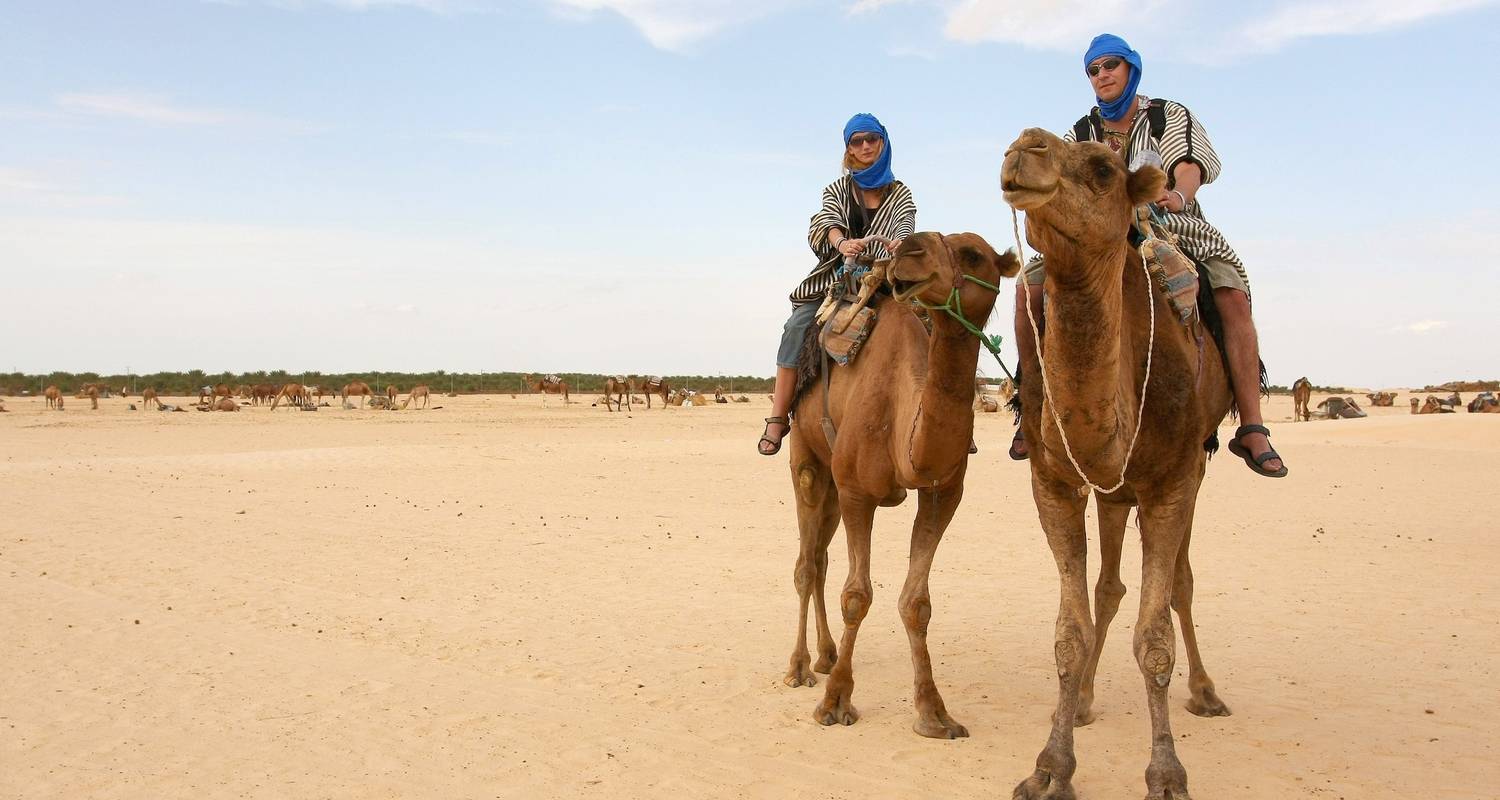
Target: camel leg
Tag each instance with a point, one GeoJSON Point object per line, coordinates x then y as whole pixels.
{"type": "Point", "coordinates": [859, 517]}
{"type": "Point", "coordinates": [817, 519]}
{"type": "Point", "coordinates": [934, 511]}
{"type": "Point", "coordinates": [1163, 527]}
{"type": "Point", "coordinates": [1107, 595]}
{"type": "Point", "coordinates": [1205, 700]}
{"type": "Point", "coordinates": [1061, 512]}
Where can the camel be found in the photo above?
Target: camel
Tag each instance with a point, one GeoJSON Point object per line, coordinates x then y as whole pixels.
{"type": "Point", "coordinates": [699, 399]}
{"type": "Point", "coordinates": [1383, 399]}
{"type": "Point", "coordinates": [226, 404]}
{"type": "Point", "coordinates": [1301, 396]}
{"type": "Point", "coordinates": [54, 398]}
{"type": "Point", "coordinates": [1080, 203]}
{"type": "Point", "coordinates": [1339, 408]}
{"type": "Point", "coordinates": [148, 397]}
{"type": "Point", "coordinates": [656, 385]}
{"type": "Point", "coordinates": [1432, 405]}
{"type": "Point", "coordinates": [1452, 401]}
{"type": "Point", "coordinates": [262, 393]}
{"type": "Point", "coordinates": [391, 393]}
{"type": "Point", "coordinates": [1484, 403]}
{"type": "Point", "coordinates": [987, 404]}
{"type": "Point", "coordinates": [360, 388]}
{"type": "Point", "coordinates": [548, 385]}
{"type": "Point", "coordinates": [383, 402]}
{"type": "Point", "coordinates": [93, 394]}
{"type": "Point", "coordinates": [675, 398]}
{"type": "Point", "coordinates": [1414, 406]}
{"type": "Point", "coordinates": [416, 392]}
{"type": "Point", "coordinates": [617, 387]}
{"type": "Point", "coordinates": [210, 394]}
{"type": "Point", "coordinates": [903, 415]}
{"type": "Point", "coordinates": [295, 394]}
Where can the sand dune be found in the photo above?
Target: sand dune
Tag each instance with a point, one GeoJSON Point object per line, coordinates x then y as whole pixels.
{"type": "Point", "coordinates": [501, 599]}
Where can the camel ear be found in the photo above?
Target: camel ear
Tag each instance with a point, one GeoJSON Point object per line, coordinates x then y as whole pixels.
{"type": "Point", "coordinates": [971, 248]}
{"type": "Point", "coordinates": [1009, 264]}
{"type": "Point", "coordinates": [1146, 184]}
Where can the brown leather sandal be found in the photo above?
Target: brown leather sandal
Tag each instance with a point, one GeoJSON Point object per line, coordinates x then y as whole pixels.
{"type": "Point", "coordinates": [765, 438]}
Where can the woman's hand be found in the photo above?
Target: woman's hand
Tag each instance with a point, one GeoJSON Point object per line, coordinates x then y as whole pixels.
{"type": "Point", "coordinates": [851, 247]}
{"type": "Point", "coordinates": [1172, 200]}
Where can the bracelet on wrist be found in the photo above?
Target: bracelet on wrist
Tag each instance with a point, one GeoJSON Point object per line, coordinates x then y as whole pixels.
{"type": "Point", "coordinates": [1181, 197]}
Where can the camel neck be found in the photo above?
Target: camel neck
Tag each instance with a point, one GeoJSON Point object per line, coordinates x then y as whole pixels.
{"type": "Point", "coordinates": [1082, 352]}
{"type": "Point", "coordinates": [944, 423]}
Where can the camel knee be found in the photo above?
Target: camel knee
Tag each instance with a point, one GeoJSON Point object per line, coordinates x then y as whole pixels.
{"type": "Point", "coordinates": [804, 575]}
{"type": "Point", "coordinates": [916, 611]}
{"type": "Point", "coordinates": [855, 603]}
{"type": "Point", "coordinates": [1071, 648]}
{"type": "Point", "coordinates": [1156, 651]}
{"type": "Point", "coordinates": [810, 490]}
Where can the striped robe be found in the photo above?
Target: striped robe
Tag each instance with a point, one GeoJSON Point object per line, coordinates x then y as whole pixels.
{"type": "Point", "coordinates": [896, 218]}
{"type": "Point", "coordinates": [1183, 140]}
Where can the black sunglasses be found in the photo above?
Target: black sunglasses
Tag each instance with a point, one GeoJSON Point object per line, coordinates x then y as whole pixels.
{"type": "Point", "coordinates": [869, 138]}
{"type": "Point", "coordinates": [1108, 64]}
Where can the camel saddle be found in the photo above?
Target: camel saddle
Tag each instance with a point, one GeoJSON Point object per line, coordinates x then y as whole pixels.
{"type": "Point", "coordinates": [847, 327]}
{"type": "Point", "coordinates": [1174, 274]}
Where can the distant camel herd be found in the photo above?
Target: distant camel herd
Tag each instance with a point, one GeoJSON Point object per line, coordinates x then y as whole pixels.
{"type": "Point", "coordinates": [221, 397]}
{"type": "Point", "coordinates": [1348, 408]}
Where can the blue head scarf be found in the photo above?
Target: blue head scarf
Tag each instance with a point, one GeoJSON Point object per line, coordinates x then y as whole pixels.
{"type": "Point", "coordinates": [1108, 44]}
{"type": "Point", "coordinates": [878, 174]}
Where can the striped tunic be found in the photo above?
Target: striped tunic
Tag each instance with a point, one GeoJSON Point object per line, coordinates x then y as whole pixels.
{"type": "Point", "coordinates": [1183, 140]}
{"type": "Point", "coordinates": [896, 218]}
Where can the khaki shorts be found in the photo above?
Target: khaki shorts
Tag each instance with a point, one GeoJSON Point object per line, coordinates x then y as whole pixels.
{"type": "Point", "coordinates": [1221, 274]}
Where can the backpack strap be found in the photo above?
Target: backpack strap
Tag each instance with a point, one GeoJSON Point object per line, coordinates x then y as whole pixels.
{"type": "Point", "coordinates": [1083, 129]}
{"type": "Point", "coordinates": [1156, 117]}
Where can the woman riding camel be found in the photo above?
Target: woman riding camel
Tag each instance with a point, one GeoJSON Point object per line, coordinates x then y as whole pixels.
{"type": "Point", "coordinates": [867, 201]}
{"type": "Point", "coordinates": [1131, 124]}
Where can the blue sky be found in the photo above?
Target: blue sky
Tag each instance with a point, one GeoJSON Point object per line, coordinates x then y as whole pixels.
{"type": "Point", "coordinates": [624, 185]}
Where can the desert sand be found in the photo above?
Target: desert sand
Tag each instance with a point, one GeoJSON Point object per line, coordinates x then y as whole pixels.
{"type": "Point", "coordinates": [505, 599]}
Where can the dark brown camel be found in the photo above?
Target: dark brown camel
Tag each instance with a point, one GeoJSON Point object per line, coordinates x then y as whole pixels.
{"type": "Point", "coordinates": [617, 389]}
{"type": "Point", "coordinates": [1080, 202]}
{"type": "Point", "coordinates": [903, 413]}
{"type": "Point", "coordinates": [655, 385]}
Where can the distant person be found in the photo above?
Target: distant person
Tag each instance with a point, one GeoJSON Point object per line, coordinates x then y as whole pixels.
{"type": "Point", "coordinates": [1131, 123]}
{"type": "Point", "coordinates": [866, 201]}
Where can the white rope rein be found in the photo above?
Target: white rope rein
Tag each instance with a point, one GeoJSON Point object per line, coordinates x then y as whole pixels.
{"type": "Point", "coordinates": [1036, 336]}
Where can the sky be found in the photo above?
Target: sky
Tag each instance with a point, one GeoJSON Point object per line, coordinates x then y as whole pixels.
{"type": "Point", "coordinates": [625, 185]}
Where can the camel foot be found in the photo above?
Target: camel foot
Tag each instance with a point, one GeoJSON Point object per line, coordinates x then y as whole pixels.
{"type": "Point", "coordinates": [1165, 778]}
{"type": "Point", "coordinates": [1084, 716]}
{"type": "Point", "coordinates": [940, 726]}
{"type": "Point", "coordinates": [800, 675]}
{"type": "Point", "coordinates": [836, 710]}
{"type": "Point", "coordinates": [1043, 786]}
{"type": "Point", "coordinates": [1207, 704]}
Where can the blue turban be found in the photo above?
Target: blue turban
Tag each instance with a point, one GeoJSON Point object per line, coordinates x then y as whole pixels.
{"type": "Point", "coordinates": [878, 174]}
{"type": "Point", "coordinates": [1108, 44]}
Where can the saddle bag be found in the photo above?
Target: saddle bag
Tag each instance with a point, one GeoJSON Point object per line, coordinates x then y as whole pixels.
{"type": "Point", "coordinates": [846, 331]}
{"type": "Point", "coordinates": [1174, 274]}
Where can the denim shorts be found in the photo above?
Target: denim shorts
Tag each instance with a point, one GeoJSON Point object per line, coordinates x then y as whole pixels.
{"type": "Point", "coordinates": [793, 333]}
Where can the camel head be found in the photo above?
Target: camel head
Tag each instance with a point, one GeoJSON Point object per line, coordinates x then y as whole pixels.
{"type": "Point", "coordinates": [929, 266]}
{"type": "Point", "coordinates": [1076, 195]}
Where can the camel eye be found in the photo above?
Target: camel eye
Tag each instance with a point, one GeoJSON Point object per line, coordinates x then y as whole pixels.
{"type": "Point", "coordinates": [1102, 170]}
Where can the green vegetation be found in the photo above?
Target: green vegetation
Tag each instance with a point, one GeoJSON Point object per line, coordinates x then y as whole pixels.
{"type": "Point", "coordinates": [440, 382]}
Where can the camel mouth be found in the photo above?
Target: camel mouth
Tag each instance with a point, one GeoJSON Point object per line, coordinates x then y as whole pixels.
{"type": "Point", "coordinates": [904, 290]}
{"type": "Point", "coordinates": [1024, 198]}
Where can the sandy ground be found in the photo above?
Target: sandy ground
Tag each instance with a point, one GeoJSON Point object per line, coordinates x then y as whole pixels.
{"type": "Point", "coordinates": [497, 599]}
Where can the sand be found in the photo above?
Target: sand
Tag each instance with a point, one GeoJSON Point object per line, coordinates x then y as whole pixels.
{"type": "Point", "coordinates": [501, 599]}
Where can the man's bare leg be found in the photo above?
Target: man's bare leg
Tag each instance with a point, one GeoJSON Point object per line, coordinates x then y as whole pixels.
{"type": "Point", "coordinates": [781, 403]}
{"type": "Point", "coordinates": [1026, 342]}
{"type": "Point", "coordinates": [1243, 359]}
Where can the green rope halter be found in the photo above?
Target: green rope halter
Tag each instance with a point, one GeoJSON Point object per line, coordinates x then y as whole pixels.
{"type": "Point", "coordinates": [953, 307]}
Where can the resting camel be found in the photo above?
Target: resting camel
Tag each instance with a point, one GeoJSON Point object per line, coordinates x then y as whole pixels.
{"type": "Point", "coordinates": [1301, 396]}
{"type": "Point", "coordinates": [54, 398]}
{"type": "Point", "coordinates": [148, 397]}
{"type": "Point", "coordinates": [656, 385]}
{"type": "Point", "coordinates": [1484, 403]}
{"type": "Point", "coordinates": [1384, 399]}
{"type": "Point", "coordinates": [391, 393]}
{"type": "Point", "coordinates": [295, 394]}
{"type": "Point", "coordinates": [1080, 204]}
{"type": "Point", "coordinates": [548, 385]}
{"type": "Point", "coordinates": [1340, 408]}
{"type": "Point", "coordinates": [699, 399]}
{"type": "Point", "coordinates": [1431, 405]}
{"type": "Point", "coordinates": [617, 390]}
{"type": "Point", "coordinates": [226, 404]}
{"type": "Point", "coordinates": [904, 420]}
{"type": "Point", "coordinates": [360, 388]}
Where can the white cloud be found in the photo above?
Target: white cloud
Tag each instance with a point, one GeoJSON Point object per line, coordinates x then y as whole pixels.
{"type": "Point", "coordinates": [906, 51]}
{"type": "Point", "coordinates": [1346, 18]}
{"type": "Point", "coordinates": [28, 187]}
{"type": "Point", "coordinates": [676, 24]}
{"type": "Point", "coordinates": [160, 110]}
{"type": "Point", "coordinates": [1424, 326]}
{"type": "Point", "coordinates": [1046, 24]}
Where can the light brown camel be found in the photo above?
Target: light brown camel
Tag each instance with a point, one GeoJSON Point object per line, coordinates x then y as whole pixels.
{"type": "Point", "coordinates": [148, 397]}
{"type": "Point", "coordinates": [1383, 399]}
{"type": "Point", "coordinates": [1301, 396]}
{"type": "Point", "coordinates": [675, 398]}
{"type": "Point", "coordinates": [904, 420]}
{"type": "Point", "coordinates": [550, 384]}
{"type": "Point", "coordinates": [987, 404]}
{"type": "Point", "coordinates": [700, 399]}
{"type": "Point", "coordinates": [1080, 204]}
{"type": "Point", "coordinates": [656, 385]}
{"type": "Point", "coordinates": [226, 404]}
{"type": "Point", "coordinates": [1433, 405]}
{"type": "Point", "coordinates": [262, 393]}
{"type": "Point", "coordinates": [617, 387]}
{"type": "Point", "coordinates": [391, 393]}
{"type": "Point", "coordinates": [54, 398]}
{"type": "Point", "coordinates": [419, 391]}
{"type": "Point", "coordinates": [1484, 403]}
{"type": "Point", "coordinates": [209, 394]}
{"type": "Point", "coordinates": [294, 393]}
{"type": "Point", "coordinates": [93, 394]}
{"type": "Point", "coordinates": [1414, 406]}
{"type": "Point", "coordinates": [360, 388]}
